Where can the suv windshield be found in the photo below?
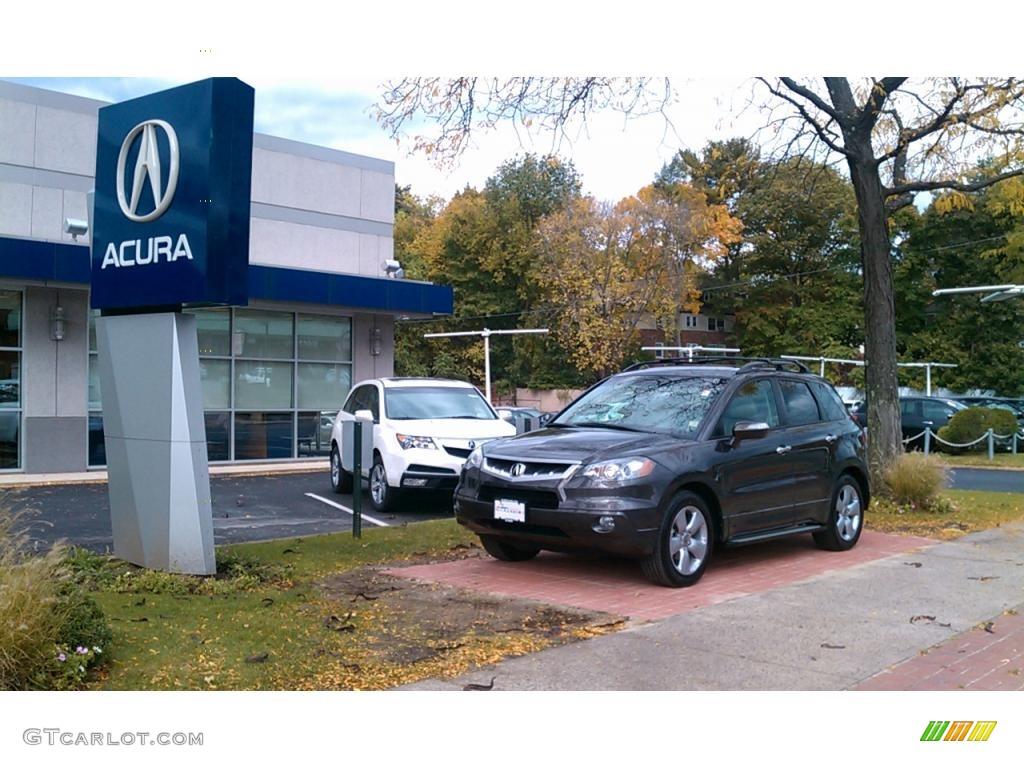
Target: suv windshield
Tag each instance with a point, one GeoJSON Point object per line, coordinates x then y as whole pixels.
{"type": "Point", "coordinates": [435, 403]}
{"type": "Point", "coordinates": [671, 405]}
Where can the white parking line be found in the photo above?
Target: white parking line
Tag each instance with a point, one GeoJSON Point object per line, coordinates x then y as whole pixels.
{"type": "Point", "coordinates": [336, 505]}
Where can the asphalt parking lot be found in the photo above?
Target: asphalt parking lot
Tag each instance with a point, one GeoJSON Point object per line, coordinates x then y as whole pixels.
{"type": "Point", "coordinates": [262, 507]}
{"type": "Point", "coordinates": [249, 508]}
{"type": "Point", "coordinates": [1002, 480]}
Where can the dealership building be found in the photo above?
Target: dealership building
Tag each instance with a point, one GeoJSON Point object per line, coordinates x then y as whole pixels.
{"type": "Point", "coordinates": [321, 311]}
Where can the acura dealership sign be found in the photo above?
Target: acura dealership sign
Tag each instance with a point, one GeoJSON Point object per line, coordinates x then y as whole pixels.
{"type": "Point", "coordinates": [173, 183]}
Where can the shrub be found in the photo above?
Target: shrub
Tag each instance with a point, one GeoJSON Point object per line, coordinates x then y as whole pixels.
{"type": "Point", "coordinates": [235, 573]}
{"type": "Point", "coordinates": [972, 423]}
{"type": "Point", "coordinates": [915, 480]}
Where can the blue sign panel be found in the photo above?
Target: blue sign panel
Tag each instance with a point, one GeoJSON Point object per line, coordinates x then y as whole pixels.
{"type": "Point", "coordinates": [173, 185]}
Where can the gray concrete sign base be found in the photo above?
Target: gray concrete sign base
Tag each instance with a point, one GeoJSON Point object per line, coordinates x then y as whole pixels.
{"type": "Point", "coordinates": [159, 481]}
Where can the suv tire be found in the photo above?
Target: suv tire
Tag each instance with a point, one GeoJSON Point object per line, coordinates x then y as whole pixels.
{"type": "Point", "coordinates": [382, 496]}
{"type": "Point", "coordinates": [845, 518]}
{"type": "Point", "coordinates": [341, 481]}
{"type": "Point", "coordinates": [686, 539]}
{"type": "Point", "coordinates": [502, 549]}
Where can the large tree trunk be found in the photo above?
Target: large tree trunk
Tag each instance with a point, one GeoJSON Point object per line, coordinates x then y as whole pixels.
{"type": "Point", "coordinates": [884, 435]}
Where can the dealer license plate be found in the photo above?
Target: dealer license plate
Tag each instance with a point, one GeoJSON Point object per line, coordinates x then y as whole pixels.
{"type": "Point", "coordinates": [510, 511]}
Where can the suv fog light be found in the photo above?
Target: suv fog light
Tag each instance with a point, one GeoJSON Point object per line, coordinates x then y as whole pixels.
{"type": "Point", "coordinates": [414, 482]}
{"type": "Point", "coordinates": [604, 524]}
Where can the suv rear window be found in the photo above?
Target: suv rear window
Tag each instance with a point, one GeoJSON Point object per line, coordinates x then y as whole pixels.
{"type": "Point", "coordinates": [829, 402]}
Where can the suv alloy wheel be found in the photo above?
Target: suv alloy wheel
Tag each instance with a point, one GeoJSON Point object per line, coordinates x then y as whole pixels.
{"type": "Point", "coordinates": [846, 519]}
{"type": "Point", "coordinates": [684, 545]}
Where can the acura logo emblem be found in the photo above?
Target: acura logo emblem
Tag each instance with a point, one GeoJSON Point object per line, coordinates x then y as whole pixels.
{"type": "Point", "coordinates": [517, 469]}
{"type": "Point", "coordinates": [147, 166]}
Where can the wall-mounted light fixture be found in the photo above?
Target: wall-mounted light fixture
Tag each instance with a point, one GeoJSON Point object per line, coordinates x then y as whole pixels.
{"type": "Point", "coordinates": [375, 341]}
{"type": "Point", "coordinates": [393, 269]}
{"type": "Point", "coordinates": [57, 323]}
{"type": "Point", "coordinates": [76, 228]}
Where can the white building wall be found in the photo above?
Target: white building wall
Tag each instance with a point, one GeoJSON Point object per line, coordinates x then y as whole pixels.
{"type": "Point", "coordinates": [313, 207]}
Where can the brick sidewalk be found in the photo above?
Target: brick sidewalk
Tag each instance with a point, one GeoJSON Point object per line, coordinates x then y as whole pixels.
{"type": "Point", "coordinates": [618, 586]}
{"type": "Point", "coordinates": [978, 660]}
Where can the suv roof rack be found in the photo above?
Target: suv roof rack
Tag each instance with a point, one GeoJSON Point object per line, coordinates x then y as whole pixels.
{"type": "Point", "coordinates": [749, 363]}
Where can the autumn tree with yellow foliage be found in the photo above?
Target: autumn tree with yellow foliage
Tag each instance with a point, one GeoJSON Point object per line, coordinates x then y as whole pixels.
{"type": "Point", "coordinates": [611, 268]}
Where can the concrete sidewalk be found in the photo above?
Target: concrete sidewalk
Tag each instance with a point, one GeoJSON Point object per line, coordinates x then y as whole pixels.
{"type": "Point", "coordinates": [831, 632]}
{"type": "Point", "coordinates": [21, 480]}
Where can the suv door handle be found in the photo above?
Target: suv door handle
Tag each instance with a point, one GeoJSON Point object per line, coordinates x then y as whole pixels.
{"type": "Point", "coordinates": [830, 439]}
{"type": "Point", "coordinates": [784, 449]}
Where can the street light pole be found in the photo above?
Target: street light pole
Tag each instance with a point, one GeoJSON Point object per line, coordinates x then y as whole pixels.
{"type": "Point", "coordinates": [486, 334]}
{"type": "Point", "coordinates": [927, 372]}
{"type": "Point", "coordinates": [487, 363]}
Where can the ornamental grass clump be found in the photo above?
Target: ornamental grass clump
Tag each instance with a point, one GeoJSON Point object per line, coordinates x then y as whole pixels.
{"type": "Point", "coordinates": [917, 481]}
{"type": "Point", "coordinates": [52, 633]}
{"type": "Point", "coordinates": [30, 615]}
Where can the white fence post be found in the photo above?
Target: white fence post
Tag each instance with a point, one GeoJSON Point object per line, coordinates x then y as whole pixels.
{"type": "Point", "coordinates": [991, 445]}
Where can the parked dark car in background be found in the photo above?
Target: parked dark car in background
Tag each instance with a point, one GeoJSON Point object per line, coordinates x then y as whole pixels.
{"type": "Point", "coordinates": [669, 460]}
{"type": "Point", "coordinates": [522, 418]}
{"type": "Point", "coordinates": [916, 413]}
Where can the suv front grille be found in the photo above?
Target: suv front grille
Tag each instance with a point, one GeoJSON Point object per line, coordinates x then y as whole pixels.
{"type": "Point", "coordinates": [462, 453]}
{"type": "Point", "coordinates": [504, 467]}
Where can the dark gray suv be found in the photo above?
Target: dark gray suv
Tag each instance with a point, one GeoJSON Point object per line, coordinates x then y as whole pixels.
{"type": "Point", "coordinates": [668, 461]}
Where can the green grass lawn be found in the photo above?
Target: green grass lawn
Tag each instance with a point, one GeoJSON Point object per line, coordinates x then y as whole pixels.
{"type": "Point", "coordinates": [281, 623]}
{"type": "Point", "coordinates": [998, 461]}
{"type": "Point", "coordinates": [970, 511]}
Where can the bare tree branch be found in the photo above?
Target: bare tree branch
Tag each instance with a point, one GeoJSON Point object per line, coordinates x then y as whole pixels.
{"type": "Point", "coordinates": [830, 139]}
{"type": "Point", "coordinates": [928, 186]}
{"type": "Point", "coordinates": [881, 90]}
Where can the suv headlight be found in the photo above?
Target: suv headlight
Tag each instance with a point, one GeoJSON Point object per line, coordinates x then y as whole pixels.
{"type": "Point", "coordinates": [607, 474]}
{"type": "Point", "coordinates": [476, 458]}
{"type": "Point", "coordinates": [408, 441]}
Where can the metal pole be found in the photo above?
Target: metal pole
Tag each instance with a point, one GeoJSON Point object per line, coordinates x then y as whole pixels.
{"type": "Point", "coordinates": [927, 440]}
{"type": "Point", "coordinates": [823, 367]}
{"type": "Point", "coordinates": [928, 379]}
{"type": "Point", "coordinates": [357, 479]}
{"type": "Point", "coordinates": [991, 445]}
{"type": "Point", "coordinates": [487, 362]}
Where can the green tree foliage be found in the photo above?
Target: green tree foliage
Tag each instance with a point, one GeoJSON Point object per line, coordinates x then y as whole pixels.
{"type": "Point", "coordinates": [962, 241]}
{"type": "Point", "coordinates": [792, 280]}
{"type": "Point", "coordinates": [483, 244]}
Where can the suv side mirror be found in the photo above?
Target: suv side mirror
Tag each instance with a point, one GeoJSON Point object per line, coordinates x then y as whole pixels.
{"type": "Point", "coordinates": [365, 415]}
{"type": "Point", "coordinates": [749, 430]}
{"type": "Point", "coordinates": [505, 414]}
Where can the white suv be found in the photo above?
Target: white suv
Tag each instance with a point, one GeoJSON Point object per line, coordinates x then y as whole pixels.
{"type": "Point", "coordinates": [423, 431]}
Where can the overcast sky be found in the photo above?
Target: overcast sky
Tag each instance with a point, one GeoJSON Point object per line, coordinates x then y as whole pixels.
{"type": "Point", "coordinates": [614, 156]}
{"type": "Point", "coordinates": [318, 68]}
